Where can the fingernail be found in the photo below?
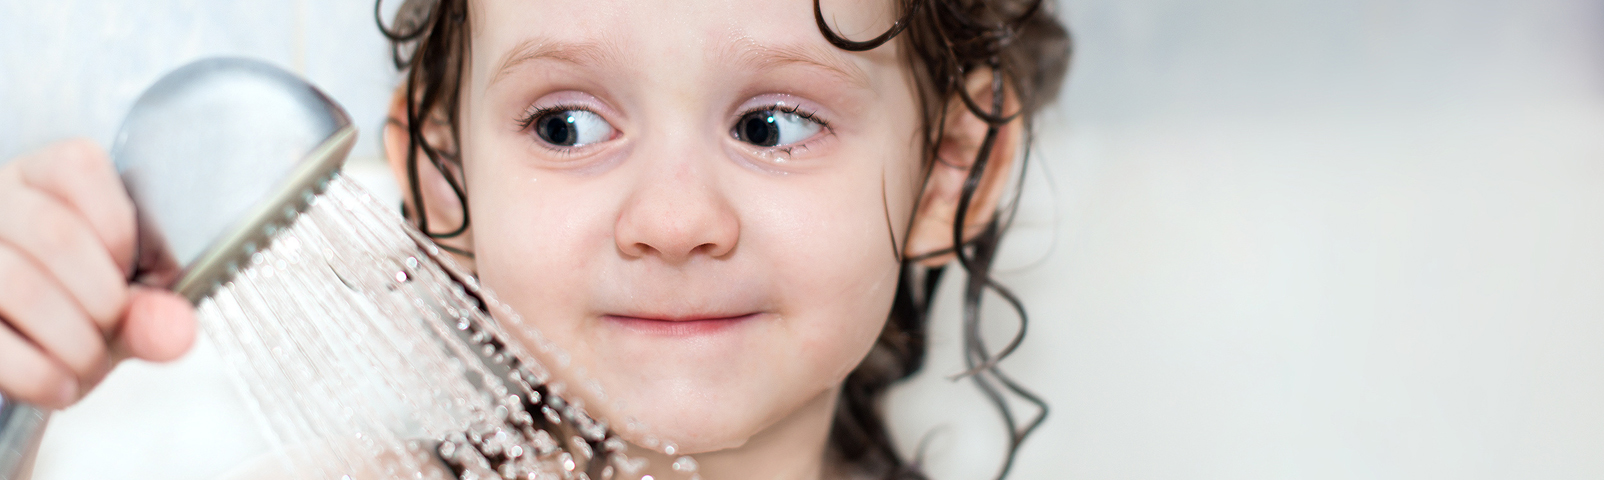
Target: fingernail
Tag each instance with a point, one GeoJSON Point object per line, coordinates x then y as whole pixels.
{"type": "Point", "coordinates": [69, 393]}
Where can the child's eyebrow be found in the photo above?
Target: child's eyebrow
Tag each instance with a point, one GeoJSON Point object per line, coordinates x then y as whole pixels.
{"type": "Point", "coordinates": [542, 49]}
{"type": "Point", "coordinates": [760, 56]}
{"type": "Point", "coordinates": [744, 51]}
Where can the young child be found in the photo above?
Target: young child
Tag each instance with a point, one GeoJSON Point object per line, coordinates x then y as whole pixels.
{"type": "Point", "coordinates": [730, 214]}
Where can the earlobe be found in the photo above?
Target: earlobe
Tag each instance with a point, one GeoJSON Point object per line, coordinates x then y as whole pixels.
{"type": "Point", "coordinates": [931, 233]}
{"type": "Point", "coordinates": [445, 211]}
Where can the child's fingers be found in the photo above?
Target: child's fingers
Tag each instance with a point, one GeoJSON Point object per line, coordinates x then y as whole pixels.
{"type": "Point", "coordinates": [80, 175]}
{"type": "Point", "coordinates": [35, 306]}
{"type": "Point", "coordinates": [32, 377]}
{"type": "Point", "coordinates": [57, 238]}
{"type": "Point", "coordinates": [160, 325]}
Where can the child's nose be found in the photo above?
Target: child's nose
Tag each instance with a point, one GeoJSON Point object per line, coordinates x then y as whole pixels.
{"type": "Point", "coordinates": [677, 212]}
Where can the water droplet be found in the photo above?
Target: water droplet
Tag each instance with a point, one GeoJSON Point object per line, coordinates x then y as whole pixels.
{"type": "Point", "coordinates": [581, 447]}
{"type": "Point", "coordinates": [543, 442]}
{"type": "Point", "coordinates": [684, 464]}
{"type": "Point", "coordinates": [522, 419]}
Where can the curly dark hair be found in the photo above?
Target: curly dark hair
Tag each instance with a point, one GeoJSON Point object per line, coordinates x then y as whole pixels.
{"type": "Point", "coordinates": [1026, 52]}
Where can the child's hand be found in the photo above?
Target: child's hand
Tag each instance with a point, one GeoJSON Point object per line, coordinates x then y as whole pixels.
{"type": "Point", "coordinates": [67, 312]}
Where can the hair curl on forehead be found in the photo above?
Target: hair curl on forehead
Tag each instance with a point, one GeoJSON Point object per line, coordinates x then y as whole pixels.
{"type": "Point", "coordinates": [1019, 44]}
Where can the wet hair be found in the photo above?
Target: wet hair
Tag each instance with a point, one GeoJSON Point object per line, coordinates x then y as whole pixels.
{"type": "Point", "coordinates": [1019, 43]}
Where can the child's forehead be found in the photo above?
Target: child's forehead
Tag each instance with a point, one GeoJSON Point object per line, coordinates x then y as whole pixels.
{"type": "Point", "coordinates": [850, 17]}
{"type": "Point", "coordinates": [743, 51]}
{"type": "Point", "coordinates": [757, 33]}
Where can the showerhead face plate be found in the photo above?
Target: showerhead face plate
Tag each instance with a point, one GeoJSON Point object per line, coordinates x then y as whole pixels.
{"type": "Point", "coordinates": [201, 217]}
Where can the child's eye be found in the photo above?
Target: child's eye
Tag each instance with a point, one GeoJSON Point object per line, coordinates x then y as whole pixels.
{"type": "Point", "coordinates": [571, 128]}
{"type": "Point", "coordinates": [774, 127]}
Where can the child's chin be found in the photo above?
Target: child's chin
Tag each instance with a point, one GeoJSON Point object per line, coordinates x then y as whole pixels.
{"type": "Point", "coordinates": [702, 414]}
{"type": "Point", "coordinates": [695, 414]}
{"type": "Point", "coordinates": [693, 439]}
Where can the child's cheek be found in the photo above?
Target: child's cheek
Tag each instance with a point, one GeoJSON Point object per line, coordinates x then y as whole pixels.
{"type": "Point", "coordinates": [834, 265]}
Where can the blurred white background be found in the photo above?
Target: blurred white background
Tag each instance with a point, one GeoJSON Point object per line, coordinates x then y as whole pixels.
{"type": "Point", "coordinates": [1263, 240]}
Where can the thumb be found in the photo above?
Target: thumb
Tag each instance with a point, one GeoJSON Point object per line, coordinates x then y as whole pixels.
{"type": "Point", "coordinates": [159, 325]}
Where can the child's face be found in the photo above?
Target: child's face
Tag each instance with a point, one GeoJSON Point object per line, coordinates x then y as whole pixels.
{"type": "Point", "coordinates": [700, 201]}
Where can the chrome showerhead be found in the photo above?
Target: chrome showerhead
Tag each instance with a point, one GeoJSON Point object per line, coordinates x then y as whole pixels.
{"type": "Point", "coordinates": [218, 156]}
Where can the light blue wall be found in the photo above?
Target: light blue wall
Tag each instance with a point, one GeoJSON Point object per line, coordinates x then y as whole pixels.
{"type": "Point", "coordinates": [1142, 58]}
{"type": "Point", "coordinates": [73, 67]}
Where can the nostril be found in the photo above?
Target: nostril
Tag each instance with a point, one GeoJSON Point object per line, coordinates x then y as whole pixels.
{"type": "Point", "coordinates": [714, 249]}
{"type": "Point", "coordinates": [672, 251]}
{"type": "Point", "coordinates": [639, 249]}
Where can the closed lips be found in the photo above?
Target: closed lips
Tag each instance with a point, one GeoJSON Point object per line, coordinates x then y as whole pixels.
{"type": "Point", "coordinates": [678, 325]}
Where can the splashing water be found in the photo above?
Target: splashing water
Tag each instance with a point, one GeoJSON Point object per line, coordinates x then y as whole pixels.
{"type": "Point", "coordinates": [368, 354]}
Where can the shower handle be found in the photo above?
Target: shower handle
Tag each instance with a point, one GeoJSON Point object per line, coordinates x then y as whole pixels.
{"type": "Point", "coordinates": [20, 426]}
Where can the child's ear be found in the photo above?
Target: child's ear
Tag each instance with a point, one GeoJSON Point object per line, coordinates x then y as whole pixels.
{"type": "Point", "coordinates": [440, 202]}
{"type": "Point", "coordinates": [931, 231]}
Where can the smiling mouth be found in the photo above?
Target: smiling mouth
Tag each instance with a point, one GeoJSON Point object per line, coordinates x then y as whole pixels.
{"type": "Point", "coordinates": [678, 327]}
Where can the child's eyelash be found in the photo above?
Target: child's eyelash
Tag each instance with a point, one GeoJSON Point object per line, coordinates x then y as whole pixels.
{"type": "Point", "coordinates": [527, 119]}
{"type": "Point", "coordinates": [790, 150]}
{"type": "Point", "coordinates": [533, 113]}
{"type": "Point", "coordinates": [792, 109]}
{"type": "Point", "coordinates": [529, 116]}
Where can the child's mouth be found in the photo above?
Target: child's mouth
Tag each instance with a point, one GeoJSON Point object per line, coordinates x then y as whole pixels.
{"type": "Point", "coordinates": [693, 325]}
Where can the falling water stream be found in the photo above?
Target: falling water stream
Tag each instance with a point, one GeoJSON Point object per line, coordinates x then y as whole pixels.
{"type": "Point", "coordinates": [368, 354]}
